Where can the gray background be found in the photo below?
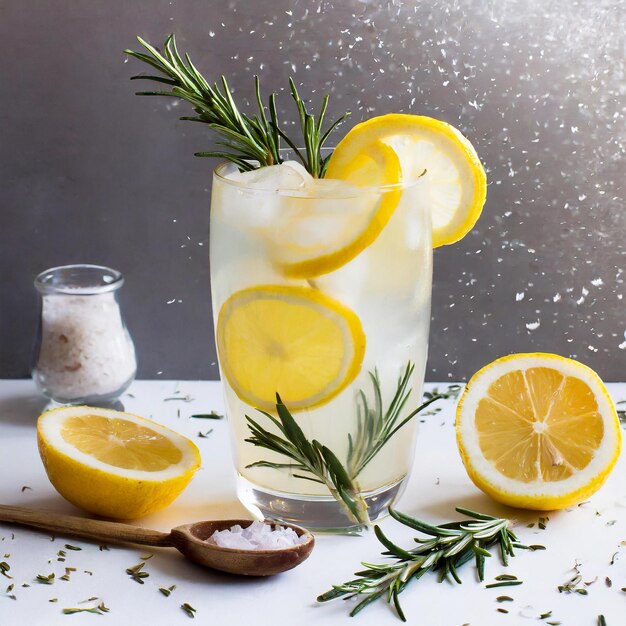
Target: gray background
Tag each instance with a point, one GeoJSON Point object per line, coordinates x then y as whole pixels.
{"type": "Point", "coordinates": [91, 173]}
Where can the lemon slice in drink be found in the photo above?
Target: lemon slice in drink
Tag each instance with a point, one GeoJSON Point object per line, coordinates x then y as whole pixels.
{"type": "Point", "coordinates": [537, 431]}
{"type": "Point", "coordinates": [292, 340]}
{"type": "Point", "coordinates": [112, 463]}
{"type": "Point", "coordinates": [319, 234]}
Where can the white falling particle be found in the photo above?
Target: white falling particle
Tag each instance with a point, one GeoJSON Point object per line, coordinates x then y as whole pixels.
{"type": "Point", "coordinates": [211, 33]}
{"type": "Point", "coordinates": [592, 348]}
{"type": "Point", "coordinates": [533, 325]}
{"type": "Point", "coordinates": [519, 296]}
{"type": "Point", "coordinates": [622, 346]}
{"type": "Point", "coordinates": [170, 301]}
{"type": "Point", "coordinates": [596, 282]}
{"type": "Point", "coordinates": [556, 297]}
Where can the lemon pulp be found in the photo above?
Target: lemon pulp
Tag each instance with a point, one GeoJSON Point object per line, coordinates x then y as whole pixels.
{"type": "Point", "coordinates": [290, 340]}
{"type": "Point", "coordinates": [120, 442]}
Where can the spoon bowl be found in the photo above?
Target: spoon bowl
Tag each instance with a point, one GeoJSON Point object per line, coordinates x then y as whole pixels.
{"type": "Point", "coordinates": [189, 539]}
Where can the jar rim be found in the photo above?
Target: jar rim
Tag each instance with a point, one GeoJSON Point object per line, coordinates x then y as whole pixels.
{"type": "Point", "coordinates": [79, 279]}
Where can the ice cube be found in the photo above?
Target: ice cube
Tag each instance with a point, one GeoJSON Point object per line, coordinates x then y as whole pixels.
{"type": "Point", "coordinates": [287, 176]}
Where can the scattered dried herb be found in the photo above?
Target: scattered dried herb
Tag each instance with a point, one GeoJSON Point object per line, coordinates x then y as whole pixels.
{"type": "Point", "coordinates": [186, 398]}
{"type": "Point", "coordinates": [504, 599]}
{"type": "Point", "coordinates": [136, 574]}
{"type": "Point", "coordinates": [206, 434]}
{"type": "Point", "coordinates": [213, 415]}
{"type": "Point", "coordinates": [167, 591]}
{"type": "Point", "coordinates": [504, 583]}
{"type": "Point", "coordinates": [98, 610]}
{"type": "Point", "coordinates": [608, 581]}
{"type": "Point", "coordinates": [8, 591]}
{"type": "Point", "coordinates": [188, 609]}
{"type": "Point", "coordinates": [4, 568]}
{"type": "Point", "coordinates": [45, 580]}
{"type": "Point", "coordinates": [68, 571]}
{"type": "Point", "coordinates": [69, 546]}
{"type": "Point", "coordinates": [25, 487]}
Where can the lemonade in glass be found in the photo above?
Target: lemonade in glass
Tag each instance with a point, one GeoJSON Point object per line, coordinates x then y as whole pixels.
{"type": "Point", "coordinates": [321, 293]}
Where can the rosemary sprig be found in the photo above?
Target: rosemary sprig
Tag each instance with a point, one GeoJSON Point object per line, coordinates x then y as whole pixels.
{"type": "Point", "coordinates": [248, 141]}
{"type": "Point", "coordinates": [316, 462]}
{"type": "Point", "coordinates": [445, 549]}
{"type": "Point", "coordinates": [310, 460]}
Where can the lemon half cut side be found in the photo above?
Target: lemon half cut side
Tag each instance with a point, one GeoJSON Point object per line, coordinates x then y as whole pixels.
{"type": "Point", "coordinates": [537, 431]}
{"type": "Point", "coordinates": [113, 463]}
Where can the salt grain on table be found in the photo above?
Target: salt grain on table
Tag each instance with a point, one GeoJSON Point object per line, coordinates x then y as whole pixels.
{"type": "Point", "coordinates": [257, 536]}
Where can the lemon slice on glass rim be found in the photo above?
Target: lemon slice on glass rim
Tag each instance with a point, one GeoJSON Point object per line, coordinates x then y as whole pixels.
{"type": "Point", "coordinates": [537, 431]}
{"type": "Point", "coordinates": [452, 184]}
{"type": "Point", "coordinates": [384, 153]}
{"type": "Point", "coordinates": [113, 463]}
{"type": "Point", "coordinates": [293, 340]}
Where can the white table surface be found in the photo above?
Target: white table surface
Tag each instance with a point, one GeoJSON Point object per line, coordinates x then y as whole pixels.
{"type": "Point", "coordinates": [593, 534]}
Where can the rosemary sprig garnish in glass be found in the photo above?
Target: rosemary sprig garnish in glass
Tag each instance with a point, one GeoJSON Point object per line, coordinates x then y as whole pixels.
{"type": "Point", "coordinates": [248, 141]}
{"type": "Point", "coordinates": [311, 460]}
{"type": "Point", "coordinates": [444, 550]}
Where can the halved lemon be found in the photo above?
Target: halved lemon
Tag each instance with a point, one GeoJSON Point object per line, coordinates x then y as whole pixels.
{"type": "Point", "coordinates": [317, 235]}
{"type": "Point", "coordinates": [296, 341]}
{"type": "Point", "coordinates": [453, 184]}
{"type": "Point", "coordinates": [537, 431]}
{"type": "Point", "coordinates": [112, 463]}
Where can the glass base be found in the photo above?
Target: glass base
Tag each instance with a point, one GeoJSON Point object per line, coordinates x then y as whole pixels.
{"type": "Point", "coordinates": [317, 513]}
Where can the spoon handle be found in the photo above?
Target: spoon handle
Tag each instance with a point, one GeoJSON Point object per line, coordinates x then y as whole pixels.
{"type": "Point", "coordinates": [96, 530]}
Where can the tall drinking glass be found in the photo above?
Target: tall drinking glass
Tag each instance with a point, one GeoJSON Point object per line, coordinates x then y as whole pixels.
{"type": "Point", "coordinates": [324, 298]}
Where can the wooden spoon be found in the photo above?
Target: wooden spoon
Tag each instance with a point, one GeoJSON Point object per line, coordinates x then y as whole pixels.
{"type": "Point", "coordinates": [190, 539]}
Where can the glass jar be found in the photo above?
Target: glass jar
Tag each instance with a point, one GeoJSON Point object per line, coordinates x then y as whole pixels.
{"type": "Point", "coordinates": [84, 353]}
